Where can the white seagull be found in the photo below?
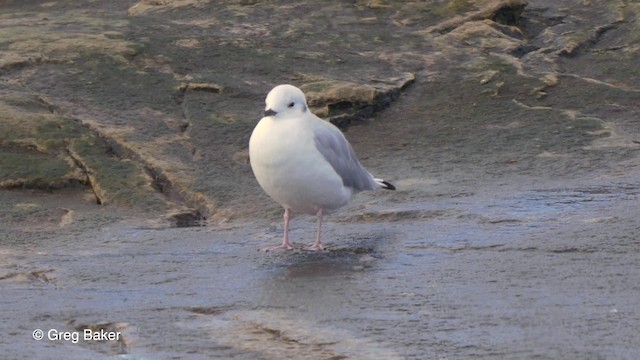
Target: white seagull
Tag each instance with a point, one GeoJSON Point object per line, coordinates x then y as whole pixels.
{"type": "Point", "coordinates": [303, 162]}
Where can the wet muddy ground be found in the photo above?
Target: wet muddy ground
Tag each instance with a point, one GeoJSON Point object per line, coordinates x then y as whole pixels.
{"type": "Point", "coordinates": [494, 272]}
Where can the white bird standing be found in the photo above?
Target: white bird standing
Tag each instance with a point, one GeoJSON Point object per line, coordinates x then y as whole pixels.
{"type": "Point", "coordinates": [303, 162]}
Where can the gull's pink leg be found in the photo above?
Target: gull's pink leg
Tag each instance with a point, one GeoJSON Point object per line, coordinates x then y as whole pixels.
{"type": "Point", "coordinates": [286, 245]}
{"type": "Point", "coordinates": [317, 246]}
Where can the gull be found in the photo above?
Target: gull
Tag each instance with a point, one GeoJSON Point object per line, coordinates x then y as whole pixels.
{"type": "Point", "coordinates": [304, 163]}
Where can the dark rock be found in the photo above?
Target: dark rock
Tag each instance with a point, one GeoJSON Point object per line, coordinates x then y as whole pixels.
{"type": "Point", "coordinates": [343, 102]}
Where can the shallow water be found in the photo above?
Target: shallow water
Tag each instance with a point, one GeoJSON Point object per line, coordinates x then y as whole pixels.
{"type": "Point", "coordinates": [540, 273]}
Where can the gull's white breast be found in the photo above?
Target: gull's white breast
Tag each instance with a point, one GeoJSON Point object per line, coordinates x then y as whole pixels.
{"type": "Point", "coordinates": [291, 170]}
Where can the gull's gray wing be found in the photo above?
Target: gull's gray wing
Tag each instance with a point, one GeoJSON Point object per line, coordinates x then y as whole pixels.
{"type": "Point", "coordinates": [338, 152]}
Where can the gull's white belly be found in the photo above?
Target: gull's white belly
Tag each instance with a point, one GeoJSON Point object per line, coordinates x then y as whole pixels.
{"type": "Point", "coordinates": [293, 172]}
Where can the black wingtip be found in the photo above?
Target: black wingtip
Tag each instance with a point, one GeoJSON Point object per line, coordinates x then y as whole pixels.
{"type": "Point", "coordinates": [387, 185]}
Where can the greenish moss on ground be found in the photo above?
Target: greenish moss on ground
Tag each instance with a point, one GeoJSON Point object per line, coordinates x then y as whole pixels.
{"type": "Point", "coordinates": [34, 170]}
{"type": "Point", "coordinates": [40, 149]}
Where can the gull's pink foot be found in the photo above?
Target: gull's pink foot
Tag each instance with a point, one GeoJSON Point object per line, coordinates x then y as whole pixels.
{"type": "Point", "coordinates": [287, 246]}
{"type": "Point", "coordinates": [315, 247]}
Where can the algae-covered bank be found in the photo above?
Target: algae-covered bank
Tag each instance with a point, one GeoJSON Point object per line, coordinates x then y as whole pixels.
{"type": "Point", "coordinates": [128, 210]}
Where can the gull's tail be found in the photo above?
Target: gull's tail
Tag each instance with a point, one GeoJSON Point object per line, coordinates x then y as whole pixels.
{"type": "Point", "coordinates": [385, 184]}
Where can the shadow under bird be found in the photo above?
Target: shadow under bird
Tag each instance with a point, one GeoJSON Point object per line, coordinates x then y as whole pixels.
{"type": "Point", "coordinates": [303, 162]}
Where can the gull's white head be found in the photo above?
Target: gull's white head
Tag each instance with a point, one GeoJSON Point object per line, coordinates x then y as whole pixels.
{"type": "Point", "coordinates": [285, 100]}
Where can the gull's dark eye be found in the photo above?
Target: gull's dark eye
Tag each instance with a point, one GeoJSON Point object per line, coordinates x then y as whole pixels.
{"type": "Point", "coordinates": [291, 105]}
